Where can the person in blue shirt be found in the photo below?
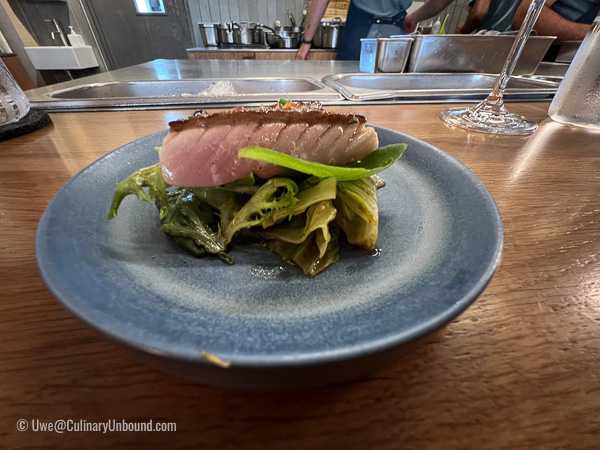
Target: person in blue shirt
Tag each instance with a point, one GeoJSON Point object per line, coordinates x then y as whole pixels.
{"type": "Point", "coordinates": [366, 18]}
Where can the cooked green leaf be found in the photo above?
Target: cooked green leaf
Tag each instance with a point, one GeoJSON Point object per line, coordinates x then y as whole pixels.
{"type": "Point", "coordinates": [316, 220]}
{"type": "Point", "coordinates": [245, 185]}
{"type": "Point", "coordinates": [148, 177]}
{"type": "Point", "coordinates": [323, 190]}
{"type": "Point", "coordinates": [307, 255]}
{"type": "Point", "coordinates": [361, 196]}
{"type": "Point", "coordinates": [375, 162]}
{"type": "Point", "coordinates": [357, 212]}
{"type": "Point", "coordinates": [192, 223]}
{"type": "Point", "coordinates": [275, 195]}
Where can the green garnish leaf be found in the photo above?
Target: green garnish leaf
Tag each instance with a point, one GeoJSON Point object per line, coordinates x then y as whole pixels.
{"type": "Point", "coordinates": [134, 184]}
{"type": "Point", "coordinates": [375, 162]}
{"type": "Point", "coordinates": [282, 102]}
{"type": "Point", "coordinates": [443, 27]}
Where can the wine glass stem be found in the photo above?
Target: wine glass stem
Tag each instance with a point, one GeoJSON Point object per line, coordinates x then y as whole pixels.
{"type": "Point", "coordinates": [533, 12]}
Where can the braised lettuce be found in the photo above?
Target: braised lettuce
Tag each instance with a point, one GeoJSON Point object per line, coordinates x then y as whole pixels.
{"type": "Point", "coordinates": [303, 216]}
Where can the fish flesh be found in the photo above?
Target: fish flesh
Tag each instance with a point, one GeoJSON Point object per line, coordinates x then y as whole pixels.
{"type": "Point", "coordinates": [202, 151]}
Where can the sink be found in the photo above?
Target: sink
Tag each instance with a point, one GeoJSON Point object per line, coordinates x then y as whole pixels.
{"type": "Point", "coordinates": [188, 92]}
{"type": "Point", "coordinates": [61, 58]}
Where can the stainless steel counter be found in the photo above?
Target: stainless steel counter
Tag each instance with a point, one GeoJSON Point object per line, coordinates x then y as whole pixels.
{"type": "Point", "coordinates": [189, 83]}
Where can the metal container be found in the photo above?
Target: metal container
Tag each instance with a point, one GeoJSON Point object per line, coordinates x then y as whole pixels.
{"type": "Point", "coordinates": [226, 33]}
{"type": "Point", "coordinates": [291, 41]}
{"type": "Point", "coordinates": [473, 53]}
{"type": "Point", "coordinates": [274, 40]}
{"type": "Point", "coordinates": [285, 37]}
{"type": "Point", "coordinates": [259, 33]}
{"type": "Point", "coordinates": [317, 38]}
{"type": "Point", "coordinates": [331, 33]}
{"type": "Point", "coordinates": [210, 33]}
{"type": "Point", "coordinates": [368, 55]}
{"type": "Point", "coordinates": [287, 29]}
{"type": "Point", "coordinates": [567, 51]}
{"type": "Point", "coordinates": [243, 33]}
{"type": "Point", "coordinates": [384, 54]}
{"type": "Point", "coordinates": [429, 87]}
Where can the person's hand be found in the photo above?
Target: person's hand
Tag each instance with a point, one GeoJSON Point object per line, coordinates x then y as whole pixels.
{"type": "Point", "coordinates": [410, 24]}
{"type": "Point", "coordinates": [303, 51]}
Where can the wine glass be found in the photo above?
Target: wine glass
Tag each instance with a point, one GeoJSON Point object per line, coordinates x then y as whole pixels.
{"type": "Point", "coordinates": [490, 116]}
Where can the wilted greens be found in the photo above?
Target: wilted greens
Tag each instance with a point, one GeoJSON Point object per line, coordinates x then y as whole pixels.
{"type": "Point", "coordinates": [303, 217]}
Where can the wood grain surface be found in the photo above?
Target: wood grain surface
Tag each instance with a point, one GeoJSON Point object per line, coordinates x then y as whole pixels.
{"type": "Point", "coordinates": [519, 369]}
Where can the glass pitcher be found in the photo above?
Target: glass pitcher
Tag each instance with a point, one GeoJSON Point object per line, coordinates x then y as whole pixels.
{"type": "Point", "coordinates": [13, 102]}
{"type": "Point", "coordinates": [577, 101]}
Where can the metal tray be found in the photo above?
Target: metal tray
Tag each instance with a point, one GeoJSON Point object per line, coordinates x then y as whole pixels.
{"type": "Point", "coordinates": [186, 92]}
{"type": "Point", "coordinates": [452, 53]}
{"type": "Point", "coordinates": [434, 86]}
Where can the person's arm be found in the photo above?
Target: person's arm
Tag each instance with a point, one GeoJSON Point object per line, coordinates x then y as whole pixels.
{"type": "Point", "coordinates": [550, 23]}
{"type": "Point", "coordinates": [475, 16]}
{"type": "Point", "coordinates": [427, 11]}
{"type": "Point", "coordinates": [314, 14]}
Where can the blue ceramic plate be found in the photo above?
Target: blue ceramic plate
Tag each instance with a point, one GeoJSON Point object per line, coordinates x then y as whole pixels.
{"type": "Point", "coordinates": [440, 240]}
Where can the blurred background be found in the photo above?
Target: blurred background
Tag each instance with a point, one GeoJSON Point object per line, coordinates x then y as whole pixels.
{"type": "Point", "coordinates": [122, 33]}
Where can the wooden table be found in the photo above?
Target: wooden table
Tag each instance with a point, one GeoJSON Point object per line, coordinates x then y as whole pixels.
{"type": "Point", "coordinates": [519, 369]}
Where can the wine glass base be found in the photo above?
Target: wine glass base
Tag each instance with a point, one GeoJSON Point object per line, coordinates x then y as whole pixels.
{"type": "Point", "coordinates": [486, 120]}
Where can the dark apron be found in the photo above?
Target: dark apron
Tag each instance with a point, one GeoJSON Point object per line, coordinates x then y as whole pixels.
{"type": "Point", "coordinates": [358, 24]}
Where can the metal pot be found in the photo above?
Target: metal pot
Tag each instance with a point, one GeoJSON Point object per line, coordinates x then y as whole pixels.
{"type": "Point", "coordinates": [243, 33]}
{"type": "Point", "coordinates": [318, 37]}
{"type": "Point", "coordinates": [226, 33]}
{"type": "Point", "coordinates": [283, 37]}
{"type": "Point", "coordinates": [210, 33]}
{"type": "Point", "coordinates": [280, 30]}
{"type": "Point", "coordinates": [274, 40]}
{"type": "Point", "coordinates": [259, 33]}
{"type": "Point", "coordinates": [331, 33]}
{"type": "Point", "coordinates": [291, 39]}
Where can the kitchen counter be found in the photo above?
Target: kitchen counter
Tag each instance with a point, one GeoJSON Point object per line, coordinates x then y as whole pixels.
{"type": "Point", "coordinates": [199, 77]}
{"type": "Point", "coordinates": [519, 369]}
